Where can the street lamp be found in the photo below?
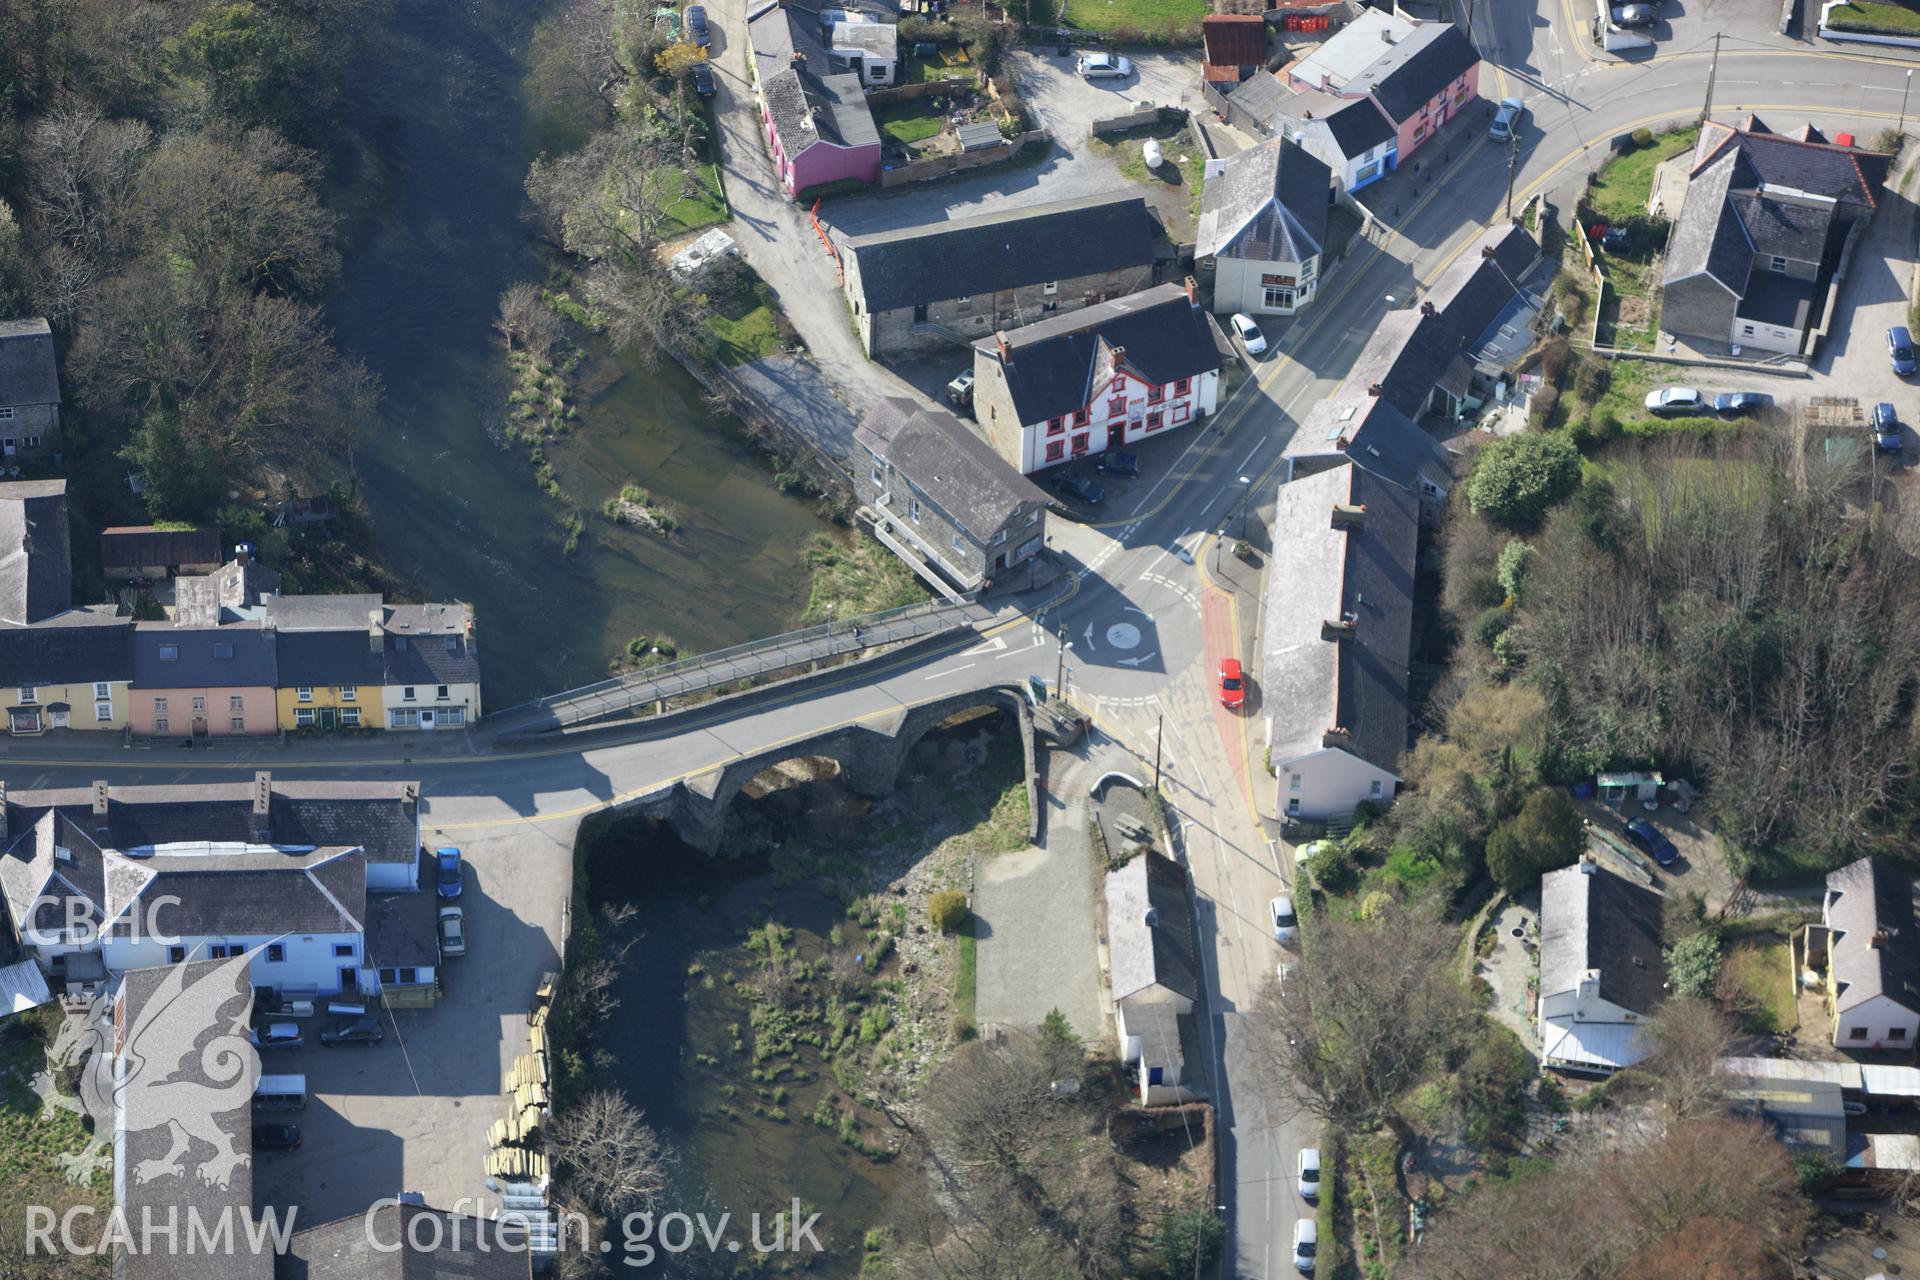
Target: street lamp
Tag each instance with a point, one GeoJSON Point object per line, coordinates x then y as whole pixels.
{"type": "Point", "coordinates": [1060, 675]}
{"type": "Point", "coordinates": [1905, 85]}
{"type": "Point", "coordinates": [1219, 536]}
{"type": "Point", "coordinates": [1245, 498]}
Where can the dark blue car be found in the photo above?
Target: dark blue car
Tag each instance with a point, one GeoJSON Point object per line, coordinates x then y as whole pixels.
{"type": "Point", "coordinates": [1886, 428]}
{"type": "Point", "coordinates": [447, 881]}
{"type": "Point", "coordinates": [1900, 350]}
{"type": "Point", "coordinates": [1118, 462]}
{"type": "Point", "coordinates": [697, 29]}
{"type": "Point", "coordinates": [1649, 840]}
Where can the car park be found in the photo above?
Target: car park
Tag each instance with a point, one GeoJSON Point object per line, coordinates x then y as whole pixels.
{"type": "Point", "coordinates": [1506, 121]}
{"type": "Point", "coordinates": [1309, 1173]}
{"type": "Point", "coordinates": [447, 873]}
{"type": "Point", "coordinates": [1104, 66]}
{"type": "Point", "coordinates": [697, 29]}
{"type": "Point", "coordinates": [1886, 429]}
{"type": "Point", "coordinates": [278, 1035]}
{"type": "Point", "coordinates": [1676, 400]}
{"type": "Point", "coordinates": [276, 1137]}
{"type": "Point", "coordinates": [1249, 333]}
{"type": "Point", "coordinates": [353, 1031]}
{"type": "Point", "coordinates": [1118, 462]}
{"type": "Point", "coordinates": [1651, 841]}
{"type": "Point", "coordinates": [1285, 922]}
{"type": "Point", "coordinates": [1233, 685]}
{"type": "Point", "coordinates": [1306, 1244]}
{"type": "Point", "coordinates": [453, 932]}
{"type": "Point", "coordinates": [1736, 404]}
{"type": "Point", "coordinates": [703, 80]}
{"type": "Point", "coordinates": [1900, 351]}
{"type": "Point", "coordinates": [1080, 487]}
{"type": "Point", "coordinates": [1635, 15]}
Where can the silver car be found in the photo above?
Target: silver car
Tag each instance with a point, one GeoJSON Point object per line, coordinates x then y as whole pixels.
{"type": "Point", "coordinates": [1506, 121]}
{"type": "Point", "coordinates": [1105, 66]}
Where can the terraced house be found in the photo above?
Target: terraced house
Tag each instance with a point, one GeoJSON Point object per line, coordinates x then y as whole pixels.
{"type": "Point", "coordinates": [332, 677]}
{"type": "Point", "coordinates": [431, 677]}
{"type": "Point", "coordinates": [60, 667]}
{"type": "Point", "coordinates": [1419, 74]}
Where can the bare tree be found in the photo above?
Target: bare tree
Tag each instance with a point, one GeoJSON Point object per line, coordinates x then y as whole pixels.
{"type": "Point", "coordinates": [526, 321]}
{"type": "Point", "coordinates": [1686, 1039]}
{"type": "Point", "coordinates": [1375, 1003]}
{"type": "Point", "coordinates": [613, 1162]}
{"type": "Point", "coordinates": [82, 170]}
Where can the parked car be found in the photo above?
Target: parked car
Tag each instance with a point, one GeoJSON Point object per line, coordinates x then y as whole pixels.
{"type": "Point", "coordinates": [1736, 404]}
{"type": "Point", "coordinates": [1303, 853]}
{"type": "Point", "coordinates": [1676, 400]}
{"type": "Point", "coordinates": [1285, 922]}
{"type": "Point", "coordinates": [1506, 121]}
{"type": "Point", "coordinates": [453, 931]}
{"type": "Point", "coordinates": [697, 30]}
{"type": "Point", "coordinates": [1080, 487]}
{"type": "Point", "coordinates": [1900, 351]}
{"type": "Point", "coordinates": [1306, 1243]}
{"type": "Point", "coordinates": [278, 1035]}
{"type": "Point", "coordinates": [1249, 333]}
{"type": "Point", "coordinates": [447, 878]}
{"type": "Point", "coordinates": [276, 1137]}
{"type": "Point", "coordinates": [1651, 841]}
{"type": "Point", "coordinates": [353, 1031]}
{"type": "Point", "coordinates": [703, 80]}
{"type": "Point", "coordinates": [1118, 462]}
{"type": "Point", "coordinates": [1233, 686]}
{"type": "Point", "coordinates": [1612, 239]}
{"type": "Point", "coordinates": [1105, 66]}
{"type": "Point", "coordinates": [1310, 1173]}
{"type": "Point", "coordinates": [960, 390]}
{"type": "Point", "coordinates": [1886, 429]}
{"type": "Point", "coordinates": [1636, 15]}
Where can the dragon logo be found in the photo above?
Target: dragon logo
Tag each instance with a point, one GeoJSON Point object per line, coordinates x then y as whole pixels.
{"type": "Point", "coordinates": [145, 1088]}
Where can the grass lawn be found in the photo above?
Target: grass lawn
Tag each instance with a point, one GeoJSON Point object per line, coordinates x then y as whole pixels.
{"type": "Point", "coordinates": [855, 575]}
{"type": "Point", "coordinates": [966, 971]}
{"type": "Point", "coordinates": [31, 1143]}
{"type": "Point", "coordinates": [1625, 183]}
{"type": "Point", "coordinates": [744, 325]}
{"type": "Point", "coordinates": [702, 203]}
{"type": "Point", "coordinates": [1139, 15]}
{"type": "Point", "coordinates": [1626, 397]}
{"type": "Point", "coordinates": [914, 120]}
{"type": "Point", "coordinates": [1630, 316]}
{"type": "Point", "coordinates": [1127, 151]}
{"type": "Point", "coordinates": [1761, 968]}
{"type": "Point", "coordinates": [1891, 19]}
{"type": "Point", "coordinates": [947, 64]}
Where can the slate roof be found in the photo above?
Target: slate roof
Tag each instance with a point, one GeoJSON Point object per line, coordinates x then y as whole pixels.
{"type": "Point", "coordinates": [1355, 124]}
{"type": "Point", "coordinates": [1351, 50]}
{"type": "Point", "coordinates": [947, 462]}
{"type": "Point", "coordinates": [143, 546]}
{"type": "Point", "coordinates": [1477, 286]}
{"type": "Point", "coordinates": [1407, 354]}
{"type": "Point", "coordinates": [239, 656]}
{"type": "Point", "coordinates": [1158, 334]}
{"type": "Point", "coordinates": [1416, 69]}
{"type": "Point", "coordinates": [329, 658]}
{"type": "Point", "coordinates": [36, 571]}
{"type": "Point", "coordinates": [1234, 40]}
{"type": "Point", "coordinates": [1261, 96]}
{"type": "Point", "coordinates": [431, 644]}
{"type": "Point", "coordinates": [81, 645]}
{"type": "Point", "coordinates": [1708, 237]}
{"type": "Point", "coordinates": [403, 930]}
{"type": "Point", "coordinates": [1596, 920]}
{"type": "Point", "coordinates": [233, 591]}
{"type": "Point", "coordinates": [1268, 204]}
{"type": "Point", "coordinates": [469, 1248]}
{"type": "Point", "coordinates": [1864, 898]}
{"type": "Point", "coordinates": [268, 892]}
{"type": "Point", "coordinates": [1359, 683]}
{"type": "Point", "coordinates": [808, 109]}
{"type": "Point", "coordinates": [1849, 174]}
{"type": "Point", "coordinates": [1375, 436]}
{"type": "Point", "coordinates": [323, 613]}
{"type": "Point", "coordinates": [1784, 226]}
{"type": "Point", "coordinates": [381, 818]}
{"type": "Point", "coordinates": [28, 372]}
{"type": "Point", "coordinates": [1143, 955]}
{"type": "Point", "coordinates": [1062, 240]}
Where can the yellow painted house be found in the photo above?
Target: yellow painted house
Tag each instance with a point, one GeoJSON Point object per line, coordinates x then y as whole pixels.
{"type": "Point", "coordinates": [72, 672]}
{"type": "Point", "coordinates": [330, 680]}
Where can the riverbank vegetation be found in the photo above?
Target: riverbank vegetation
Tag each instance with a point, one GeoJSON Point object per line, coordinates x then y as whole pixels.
{"type": "Point", "coordinates": [34, 1139]}
{"type": "Point", "coordinates": [855, 576]}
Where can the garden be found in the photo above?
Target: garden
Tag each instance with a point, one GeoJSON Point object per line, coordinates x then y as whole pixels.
{"type": "Point", "coordinates": [1138, 21]}
{"type": "Point", "coordinates": [1616, 200]}
{"type": "Point", "coordinates": [1873, 18]}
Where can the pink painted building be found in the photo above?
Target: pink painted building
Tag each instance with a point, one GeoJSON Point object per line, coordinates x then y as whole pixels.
{"type": "Point", "coordinates": [813, 110]}
{"type": "Point", "coordinates": [203, 681]}
{"type": "Point", "coordinates": [1418, 74]}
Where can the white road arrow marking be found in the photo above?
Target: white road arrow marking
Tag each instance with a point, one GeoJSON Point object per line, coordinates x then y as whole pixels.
{"type": "Point", "coordinates": [1134, 662]}
{"type": "Point", "coordinates": [994, 645]}
{"type": "Point", "coordinates": [1089, 637]}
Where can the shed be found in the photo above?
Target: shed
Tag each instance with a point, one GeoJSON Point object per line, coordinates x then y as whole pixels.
{"type": "Point", "coordinates": [150, 551]}
{"type": "Point", "coordinates": [1630, 786]}
{"type": "Point", "coordinates": [979, 135]}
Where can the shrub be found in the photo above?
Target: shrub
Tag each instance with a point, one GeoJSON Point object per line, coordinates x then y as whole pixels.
{"type": "Point", "coordinates": [1590, 380]}
{"type": "Point", "coordinates": [1331, 867]}
{"type": "Point", "coordinates": [1643, 137]}
{"type": "Point", "coordinates": [1516, 558]}
{"type": "Point", "coordinates": [1693, 964]}
{"type": "Point", "coordinates": [1516, 478]}
{"type": "Point", "coordinates": [1545, 835]}
{"type": "Point", "coordinates": [947, 910]}
{"type": "Point", "coordinates": [1492, 624]}
{"type": "Point", "coordinates": [1189, 1241]}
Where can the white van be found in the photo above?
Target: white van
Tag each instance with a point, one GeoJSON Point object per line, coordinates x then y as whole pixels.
{"type": "Point", "coordinates": [280, 1093]}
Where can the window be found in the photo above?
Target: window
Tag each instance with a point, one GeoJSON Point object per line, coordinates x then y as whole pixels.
{"type": "Point", "coordinates": [169, 653]}
{"type": "Point", "coordinates": [223, 651]}
{"type": "Point", "coordinates": [1155, 420]}
{"type": "Point", "coordinates": [1779, 263]}
{"type": "Point", "coordinates": [1117, 407]}
{"type": "Point", "coordinates": [959, 544]}
{"type": "Point", "coordinates": [6, 414]}
{"type": "Point", "coordinates": [220, 951]}
{"type": "Point", "coordinates": [1746, 330]}
{"type": "Point", "coordinates": [406, 694]}
{"type": "Point", "coordinates": [454, 716]}
{"type": "Point", "coordinates": [28, 696]}
{"type": "Point", "coordinates": [161, 726]}
{"type": "Point", "coordinates": [1056, 450]}
{"type": "Point", "coordinates": [176, 954]}
{"type": "Point", "coordinates": [1181, 411]}
{"type": "Point", "coordinates": [238, 724]}
{"type": "Point", "coordinates": [236, 702]}
{"type": "Point", "coordinates": [1050, 288]}
{"type": "Point", "coordinates": [103, 711]}
{"type": "Point", "coordinates": [350, 717]}
{"type": "Point", "coordinates": [407, 976]}
{"type": "Point", "coordinates": [199, 703]}
{"type": "Point", "coordinates": [1293, 805]}
{"type": "Point", "coordinates": [1079, 445]}
{"type": "Point", "coordinates": [913, 508]}
{"type": "Point", "coordinates": [1156, 394]}
{"type": "Point", "coordinates": [303, 717]}
{"type": "Point", "coordinates": [442, 693]}
{"type": "Point", "coordinates": [1294, 784]}
{"type": "Point", "coordinates": [349, 692]}
{"type": "Point", "coordinates": [389, 975]}
{"type": "Point", "coordinates": [1896, 1033]}
{"type": "Point", "coordinates": [159, 706]}
{"type": "Point", "coordinates": [879, 481]}
{"type": "Point", "coordinates": [1306, 268]}
{"type": "Point", "coordinates": [1428, 489]}
{"type": "Point", "coordinates": [1856, 1033]}
{"type": "Point", "coordinates": [1080, 417]}
{"type": "Point", "coordinates": [304, 692]}
{"type": "Point", "coordinates": [961, 302]}
{"type": "Point", "coordinates": [100, 689]}
{"type": "Point", "coordinates": [403, 718]}
{"type": "Point", "coordinates": [33, 442]}
{"type": "Point", "coordinates": [999, 537]}
{"type": "Point", "coordinates": [343, 948]}
{"type": "Point", "coordinates": [276, 952]}
{"type": "Point", "coordinates": [1276, 297]}
{"type": "Point", "coordinates": [1056, 425]}
{"type": "Point", "coordinates": [1374, 790]}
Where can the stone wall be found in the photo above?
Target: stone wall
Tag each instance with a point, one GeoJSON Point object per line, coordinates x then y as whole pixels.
{"type": "Point", "coordinates": [940, 166]}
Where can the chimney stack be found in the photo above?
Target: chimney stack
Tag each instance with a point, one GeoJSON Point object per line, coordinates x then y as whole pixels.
{"type": "Point", "coordinates": [1880, 938]}
{"type": "Point", "coordinates": [259, 821]}
{"type": "Point", "coordinates": [1336, 630]}
{"type": "Point", "coordinates": [1386, 36]}
{"type": "Point", "coordinates": [1337, 736]}
{"type": "Point", "coordinates": [376, 634]}
{"type": "Point", "coordinates": [1006, 352]}
{"type": "Point", "coordinates": [1427, 309]}
{"type": "Point", "coordinates": [1193, 291]}
{"type": "Point", "coordinates": [1349, 515]}
{"type": "Point", "coordinates": [241, 554]}
{"type": "Point", "coordinates": [1374, 389]}
{"type": "Point", "coordinates": [100, 798]}
{"type": "Point", "coordinates": [3, 810]}
{"type": "Point", "coordinates": [1587, 865]}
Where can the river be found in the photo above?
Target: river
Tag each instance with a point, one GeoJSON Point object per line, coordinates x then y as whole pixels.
{"type": "Point", "coordinates": [438, 139]}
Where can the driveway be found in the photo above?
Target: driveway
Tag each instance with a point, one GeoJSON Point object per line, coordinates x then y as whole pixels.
{"type": "Point", "coordinates": [411, 1113]}
{"type": "Point", "coordinates": [1853, 359]}
{"type": "Point", "coordinates": [1034, 914]}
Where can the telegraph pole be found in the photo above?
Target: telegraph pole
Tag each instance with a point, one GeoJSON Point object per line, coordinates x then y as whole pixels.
{"type": "Point", "coordinates": [1713, 70]}
{"type": "Point", "coordinates": [1060, 674]}
{"type": "Point", "coordinates": [1513, 155]}
{"type": "Point", "coordinates": [1158, 730]}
